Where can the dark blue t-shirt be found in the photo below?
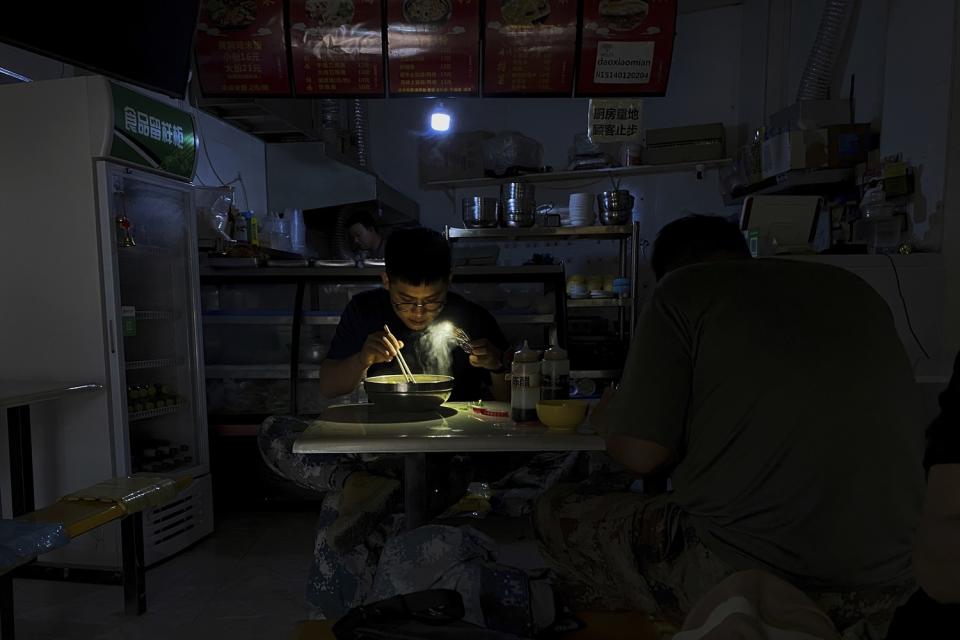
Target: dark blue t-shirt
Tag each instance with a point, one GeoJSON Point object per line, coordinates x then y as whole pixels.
{"type": "Point", "coordinates": [429, 351]}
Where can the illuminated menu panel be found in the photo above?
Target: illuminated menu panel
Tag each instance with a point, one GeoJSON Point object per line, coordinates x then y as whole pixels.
{"type": "Point", "coordinates": [240, 48]}
{"type": "Point", "coordinates": [433, 47]}
{"type": "Point", "coordinates": [337, 47]}
{"type": "Point", "coordinates": [530, 47]}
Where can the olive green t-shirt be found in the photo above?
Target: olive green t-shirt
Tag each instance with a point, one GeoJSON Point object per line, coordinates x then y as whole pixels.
{"type": "Point", "coordinates": [786, 393]}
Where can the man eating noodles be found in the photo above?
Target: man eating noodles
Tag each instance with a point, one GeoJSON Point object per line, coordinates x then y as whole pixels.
{"type": "Point", "coordinates": [358, 494]}
{"type": "Point", "coordinates": [421, 312]}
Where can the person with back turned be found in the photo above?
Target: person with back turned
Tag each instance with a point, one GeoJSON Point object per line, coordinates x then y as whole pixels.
{"type": "Point", "coordinates": [778, 396]}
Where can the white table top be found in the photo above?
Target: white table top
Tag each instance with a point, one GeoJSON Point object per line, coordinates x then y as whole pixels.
{"type": "Point", "coordinates": [359, 429]}
{"type": "Point", "coordinates": [14, 393]}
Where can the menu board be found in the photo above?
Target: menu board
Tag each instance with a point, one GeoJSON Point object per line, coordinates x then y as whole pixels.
{"type": "Point", "coordinates": [434, 47]}
{"type": "Point", "coordinates": [626, 47]}
{"type": "Point", "coordinates": [337, 47]}
{"type": "Point", "coordinates": [530, 47]}
{"type": "Point", "coordinates": [240, 48]}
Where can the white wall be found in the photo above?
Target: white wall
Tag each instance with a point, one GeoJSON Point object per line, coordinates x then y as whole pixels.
{"type": "Point", "coordinates": [917, 103]}
{"type": "Point", "coordinates": [901, 55]}
{"type": "Point", "coordinates": [233, 153]}
{"type": "Point", "coordinates": [951, 239]}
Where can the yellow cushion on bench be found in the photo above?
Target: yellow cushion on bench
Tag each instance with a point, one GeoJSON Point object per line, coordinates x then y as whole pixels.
{"type": "Point", "coordinates": [77, 517]}
{"type": "Point", "coordinates": [134, 493]}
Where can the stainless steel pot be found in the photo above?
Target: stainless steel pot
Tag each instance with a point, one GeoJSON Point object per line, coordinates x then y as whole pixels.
{"type": "Point", "coordinates": [394, 393]}
{"type": "Point", "coordinates": [523, 214]}
{"type": "Point", "coordinates": [518, 204]}
{"type": "Point", "coordinates": [517, 191]}
{"type": "Point", "coordinates": [479, 212]}
{"type": "Point", "coordinates": [614, 207]}
{"type": "Point", "coordinates": [618, 200]}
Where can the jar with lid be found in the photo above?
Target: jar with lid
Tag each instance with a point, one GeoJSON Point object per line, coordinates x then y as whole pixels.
{"type": "Point", "coordinates": [525, 384]}
{"type": "Point", "coordinates": [555, 374]}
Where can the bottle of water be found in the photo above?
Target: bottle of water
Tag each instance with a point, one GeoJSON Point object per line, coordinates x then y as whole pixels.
{"type": "Point", "coordinates": [298, 239]}
{"type": "Point", "coordinates": [281, 234]}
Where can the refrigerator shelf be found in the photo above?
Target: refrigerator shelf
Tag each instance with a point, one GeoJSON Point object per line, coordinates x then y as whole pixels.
{"type": "Point", "coordinates": [155, 413]}
{"type": "Point", "coordinates": [158, 363]}
{"type": "Point", "coordinates": [260, 371]}
{"type": "Point", "coordinates": [155, 315]}
{"type": "Point", "coordinates": [145, 251]}
{"type": "Point", "coordinates": [185, 469]}
{"type": "Point", "coordinates": [311, 318]}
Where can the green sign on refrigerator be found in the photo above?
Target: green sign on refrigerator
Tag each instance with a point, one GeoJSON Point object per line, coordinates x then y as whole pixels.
{"type": "Point", "coordinates": [152, 134]}
{"type": "Point", "coordinates": [128, 316]}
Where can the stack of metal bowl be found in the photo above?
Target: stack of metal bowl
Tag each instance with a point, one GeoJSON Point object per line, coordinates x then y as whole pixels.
{"type": "Point", "coordinates": [518, 204]}
{"type": "Point", "coordinates": [615, 207]}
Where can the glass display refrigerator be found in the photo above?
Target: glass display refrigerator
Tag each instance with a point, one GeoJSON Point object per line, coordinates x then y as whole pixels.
{"type": "Point", "coordinates": [100, 223]}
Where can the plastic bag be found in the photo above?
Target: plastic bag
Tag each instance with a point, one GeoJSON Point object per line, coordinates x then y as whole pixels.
{"type": "Point", "coordinates": [510, 151]}
{"type": "Point", "coordinates": [218, 217]}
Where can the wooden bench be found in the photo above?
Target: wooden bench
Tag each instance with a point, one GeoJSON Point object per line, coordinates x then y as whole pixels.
{"type": "Point", "coordinates": [122, 499]}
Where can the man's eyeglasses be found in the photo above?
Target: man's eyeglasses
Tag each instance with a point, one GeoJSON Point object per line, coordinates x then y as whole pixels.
{"type": "Point", "coordinates": [412, 306]}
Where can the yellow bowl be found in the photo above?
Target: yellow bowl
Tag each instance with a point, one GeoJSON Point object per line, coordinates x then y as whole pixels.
{"type": "Point", "coordinates": [564, 415]}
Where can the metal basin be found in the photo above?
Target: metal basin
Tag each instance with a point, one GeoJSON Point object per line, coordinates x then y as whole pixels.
{"type": "Point", "coordinates": [394, 393]}
{"type": "Point", "coordinates": [480, 213]}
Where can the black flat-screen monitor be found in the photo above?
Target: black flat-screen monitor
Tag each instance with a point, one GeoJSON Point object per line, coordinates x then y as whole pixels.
{"type": "Point", "coordinates": [144, 42]}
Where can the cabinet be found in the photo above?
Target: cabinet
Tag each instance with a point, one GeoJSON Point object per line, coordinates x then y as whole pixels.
{"type": "Point", "coordinates": [592, 354]}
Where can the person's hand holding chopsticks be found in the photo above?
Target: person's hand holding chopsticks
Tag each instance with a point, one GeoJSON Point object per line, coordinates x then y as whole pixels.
{"type": "Point", "coordinates": [379, 347]}
{"type": "Point", "coordinates": [395, 345]}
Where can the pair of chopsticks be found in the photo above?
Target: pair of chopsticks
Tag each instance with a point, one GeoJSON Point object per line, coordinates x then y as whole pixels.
{"type": "Point", "coordinates": [403, 363]}
{"type": "Point", "coordinates": [462, 339]}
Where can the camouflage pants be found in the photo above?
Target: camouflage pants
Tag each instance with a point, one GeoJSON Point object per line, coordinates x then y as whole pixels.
{"type": "Point", "coordinates": [337, 581]}
{"type": "Point", "coordinates": [627, 552]}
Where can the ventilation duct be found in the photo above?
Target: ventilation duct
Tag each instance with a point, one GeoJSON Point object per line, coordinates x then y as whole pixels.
{"type": "Point", "coordinates": [818, 72]}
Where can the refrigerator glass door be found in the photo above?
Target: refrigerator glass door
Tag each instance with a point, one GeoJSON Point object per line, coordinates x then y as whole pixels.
{"type": "Point", "coordinates": [161, 402]}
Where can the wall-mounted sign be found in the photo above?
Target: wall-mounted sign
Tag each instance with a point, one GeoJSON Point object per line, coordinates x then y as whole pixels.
{"type": "Point", "coordinates": [530, 47]}
{"type": "Point", "coordinates": [433, 47]}
{"type": "Point", "coordinates": [241, 48]}
{"type": "Point", "coordinates": [615, 120]}
{"type": "Point", "coordinates": [337, 47]}
{"type": "Point", "coordinates": [626, 47]}
{"type": "Point", "coordinates": [152, 134]}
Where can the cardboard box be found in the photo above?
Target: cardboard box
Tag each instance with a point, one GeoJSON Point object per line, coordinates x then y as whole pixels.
{"type": "Point", "coordinates": [809, 114]}
{"type": "Point", "coordinates": [683, 144]}
{"type": "Point", "coordinates": [794, 150]}
{"type": "Point", "coordinates": [455, 156]}
{"type": "Point", "coordinates": [847, 144]}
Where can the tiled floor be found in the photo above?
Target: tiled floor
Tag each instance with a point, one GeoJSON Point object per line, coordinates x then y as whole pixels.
{"type": "Point", "coordinates": [247, 581]}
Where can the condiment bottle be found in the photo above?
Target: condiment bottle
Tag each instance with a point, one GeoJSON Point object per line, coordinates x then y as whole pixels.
{"type": "Point", "coordinates": [555, 371]}
{"type": "Point", "coordinates": [525, 384]}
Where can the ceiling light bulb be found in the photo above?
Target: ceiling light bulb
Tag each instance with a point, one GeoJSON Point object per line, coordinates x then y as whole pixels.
{"type": "Point", "coordinates": [440, 121]}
